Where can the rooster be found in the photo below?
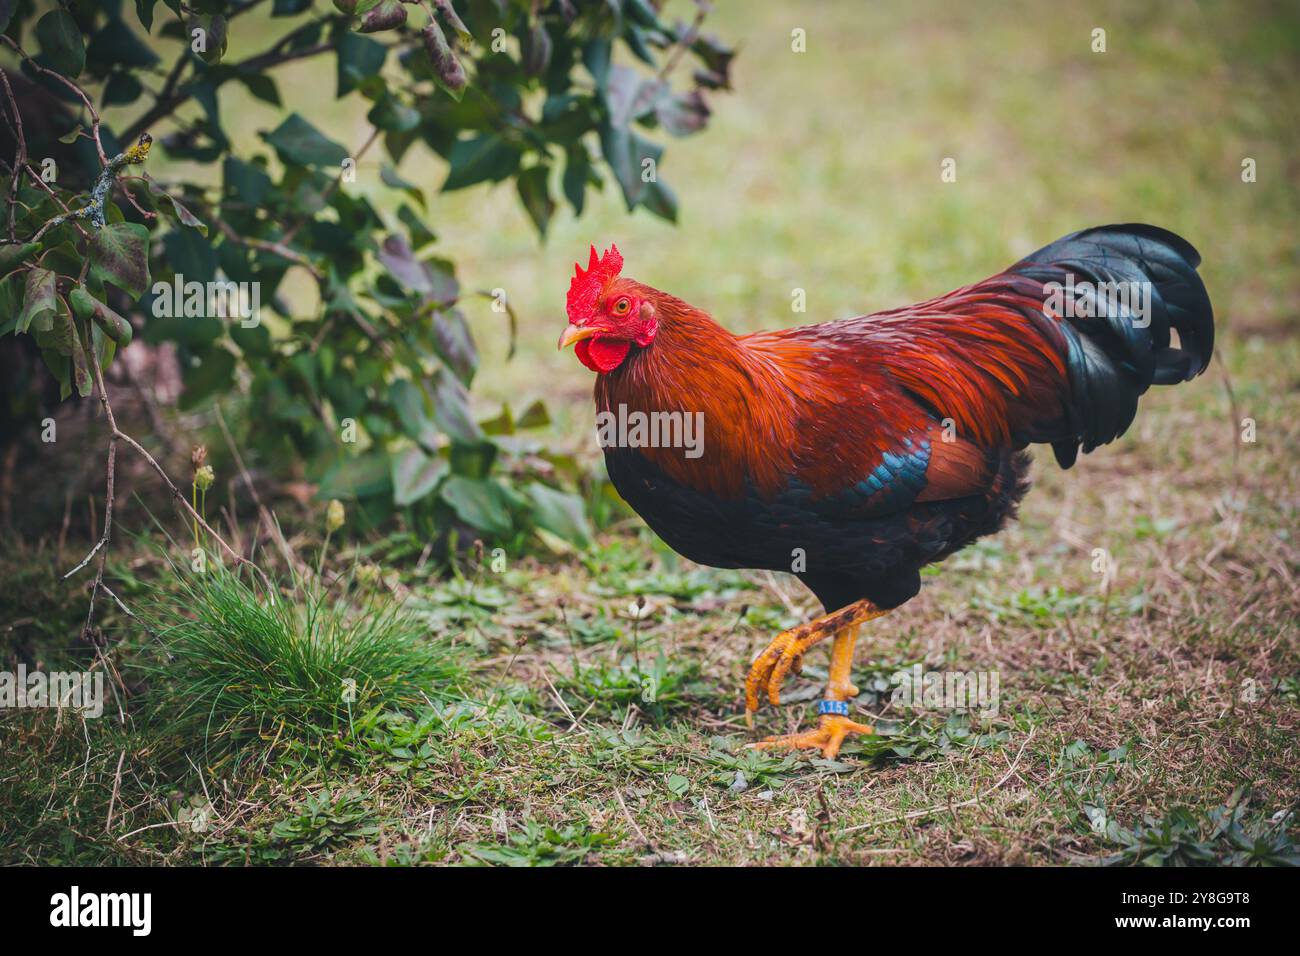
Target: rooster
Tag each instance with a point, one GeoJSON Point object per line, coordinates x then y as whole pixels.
{"type": "Point", "coordinates": [856, 452]}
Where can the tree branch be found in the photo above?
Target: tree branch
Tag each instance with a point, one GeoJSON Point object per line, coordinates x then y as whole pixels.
{"type": "Point", "coordinates": [167, 103]}
{"type": "Point", "coordinates": [80, 93]}
{"type": "Point", "coordinates": [20, 158]}
{"type": "Point", "coordinates": [94, 210]}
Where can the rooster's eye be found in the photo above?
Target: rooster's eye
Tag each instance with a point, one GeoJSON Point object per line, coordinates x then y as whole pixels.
{"type": "Point", "coordinates": [621, 306]}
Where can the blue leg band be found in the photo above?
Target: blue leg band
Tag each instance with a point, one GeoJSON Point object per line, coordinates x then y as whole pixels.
{"type": "Point", "coordinates": [840, 707]}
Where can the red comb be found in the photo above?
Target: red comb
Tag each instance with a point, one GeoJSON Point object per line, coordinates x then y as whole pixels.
{"type": "Point", "coordinates": [585, 288]}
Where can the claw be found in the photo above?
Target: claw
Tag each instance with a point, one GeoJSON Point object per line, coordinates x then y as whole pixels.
{"type": "Point", "coordinates": [787, 650]}
{"type": "Point", "coordinates": [829, 736]}
{"type": "Point", "coordinates": [770, 668]}
{"type": "Point", "coordinates": [760, 671]}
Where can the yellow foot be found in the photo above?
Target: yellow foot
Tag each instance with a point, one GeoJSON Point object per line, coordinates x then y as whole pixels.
{"type": "Point", "coordinates": [768, 671]}
{"type": "Point", "coordinates": [786, 652]}
{"type": "Point", "coordinates": [829, 735]}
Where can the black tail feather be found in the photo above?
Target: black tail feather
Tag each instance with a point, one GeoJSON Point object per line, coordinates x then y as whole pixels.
{"type": "Point", "coordinates": [1116, 352]}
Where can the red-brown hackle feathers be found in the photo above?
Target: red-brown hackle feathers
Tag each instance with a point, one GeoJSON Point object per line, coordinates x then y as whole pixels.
{"type": "Point", "coordinates": [586, 287]}
{"type": "Point", "coordinates": [823, 403]}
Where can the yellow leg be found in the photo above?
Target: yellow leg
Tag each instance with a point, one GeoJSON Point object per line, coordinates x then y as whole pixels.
{"type": "Point", "coordinates": [833, 727]}
{"type": "Point", "coordinates": [786, 652]}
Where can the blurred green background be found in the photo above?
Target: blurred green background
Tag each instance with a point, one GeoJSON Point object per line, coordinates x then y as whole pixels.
{"type": "Point", "coordinates": [821, 170]}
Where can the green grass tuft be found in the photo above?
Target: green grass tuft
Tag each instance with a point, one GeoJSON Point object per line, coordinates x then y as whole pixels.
{"type": "Point", "coordinates": [240, 662]}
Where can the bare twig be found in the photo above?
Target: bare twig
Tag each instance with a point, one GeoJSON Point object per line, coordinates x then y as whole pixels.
{"type": "Point", "coordinates": [639, 832]}
{"type": "Point", "coordinates": [117, 786]}
{"type": "Point", "coordinates": [683, 43]}
{"type": "Point", "coordinates": [80, 94]}
{"type": "Point", "coordinates": [115, 435]}
{"type": "Point", "coordinates": [275, 248]}
{"type": "Point", "coordinates": [1232, 409]}
{"type": "Point", "coordinates": [167, 103]}
{"type": "Point", "coordinates": [510, 314]}
{"type": "Point", "coordinates": [58, 199]}
{"type": "Point", "coordinates": [263, 513]}
{"type": "Point", "coordinates": [101, 545]}
{"type": "Point", "coordinates": [20, 158]}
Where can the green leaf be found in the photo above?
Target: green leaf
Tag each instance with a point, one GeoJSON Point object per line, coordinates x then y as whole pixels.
{"type": "Point", "coordinates": [396, 256]}
{"type": "Point", "coordinates": [560, 512]}
{"type": "Point", "coordinates": [596, 56]}
{"type": "Point", "coordinates": [15, 255]}
{"type": "Point", "coordinates": [121, 90]}
{"type": "Point", "coordinates": [61, 42]}
{"type": "Point", "coordinates": [631, 96]}
{"type": "Point", "coordinates": [117, 45]}
{"type": "Point", "coordinates": [576, 173]}
{"type": "Point", "coordinates": [81, 374]}
{"type": "Point", "coordinates": [40, 301]}
{"type": "Point", "coordinates": [389, 176]}
{"type": "Point", "coordinates": [179, 211]}
{"type": "Point", "coordinates": [683, 114]}
{"type": "Point", "coordinates": [261, 86]}
{"type": "Point", "coordinates": [359, 57]}
{"type": "Point", "coordinates": [88, 307]}
{"type": "Point", "coordinates": [420, 234]}
{"type": "Point", "coordinates": [480, 503]}
{"type": "Point", "coordinates": [301, 144]}
{"type": "Point", "coordinates": [144, 10]}
{"type": "Point", "coordinates": [61, 336]}
{"type": "Point", "coordinates": [386, 15]}
{"type": "Point", "coordinates": [60, 368]}
{"type": "Point", "coordinates": [627, 154]}
{"type": "Point", "coordinates": [390, 113]}
{"type": "Point", "coordinates": [364, 476]}
{"type": "Point", "coordinates": [454, 343]}
{"type": "Point", "coordinates": [660, 200]}
{"type": "Point", "coordinates": [415, 474]}
{"type": "Point", "coordinates": [534, 416]}
{"type": "Point", "coordinates": [408, 400]}
{"type": "Point", "coordinates": [189, 254]}
{"type": "Point", "coordinates": [482, 158]}
{"type": "Point", "coordinates": [214, 373]}
{"type": "Point", "coordinates": [119, 255]}
{"type": "Point", "coordinates": [534, 193]}
{"type": "Point", "coordinates": [252, 340]}
{"type": "Point", "coordinates": [244, 181]}
{"type": "Point", "coordinates": [451, 407]}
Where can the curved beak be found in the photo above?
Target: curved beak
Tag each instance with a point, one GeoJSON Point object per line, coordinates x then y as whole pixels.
{"type": "Point", "coordinates": [575, 333]}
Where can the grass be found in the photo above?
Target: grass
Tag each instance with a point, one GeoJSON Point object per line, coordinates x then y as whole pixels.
{"type": "Point", "coordinates": [1149, 719]}
{"type": "Point", "coordinates": [240, 662]}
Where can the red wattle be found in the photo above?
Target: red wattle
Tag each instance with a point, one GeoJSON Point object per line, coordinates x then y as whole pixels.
{"type": "Point", "coordinates": [602, 354]}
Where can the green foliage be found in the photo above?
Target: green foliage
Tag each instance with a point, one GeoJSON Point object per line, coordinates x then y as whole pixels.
{"type": "Point", "coordinates": [537, 844]}
{"type": "Point", "coordinates": [1183, 837]}
{"type": "Point", "coordinates": [326, 821]}
{"type": "Point", "coordinates": [365, 379]}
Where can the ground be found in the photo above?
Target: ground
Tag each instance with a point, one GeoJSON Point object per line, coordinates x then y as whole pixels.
{"type": "Point", "coordinates": [1140, 617]}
